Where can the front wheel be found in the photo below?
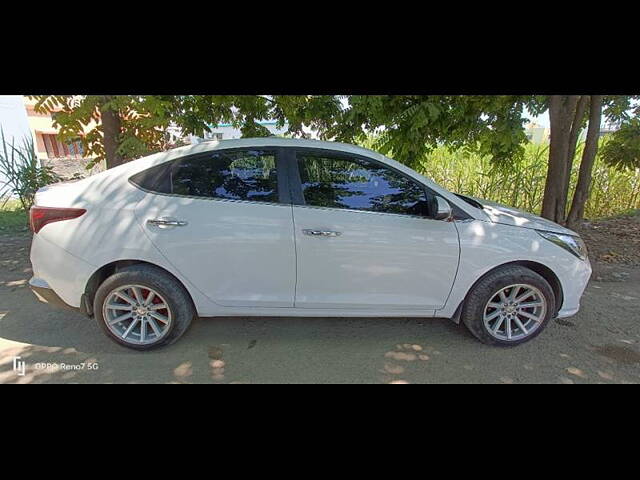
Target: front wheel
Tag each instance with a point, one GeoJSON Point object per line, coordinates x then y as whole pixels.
{"type": "Point", "coordinates": [142, 307]}
{"type": "Point", "coordinates": [509, 306]}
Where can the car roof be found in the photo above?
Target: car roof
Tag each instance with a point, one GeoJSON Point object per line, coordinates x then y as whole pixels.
{"type": "Point", "coordinates": [208, 145]}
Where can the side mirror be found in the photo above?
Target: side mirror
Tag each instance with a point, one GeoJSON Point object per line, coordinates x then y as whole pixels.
{"type": "Point", "coordinates": [444, 211]}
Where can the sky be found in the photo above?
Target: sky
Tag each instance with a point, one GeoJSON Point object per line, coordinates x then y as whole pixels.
{"type": "Point", "coordinates": [542, 120]}
{"type": "Point", "coordinates": [13, 117]}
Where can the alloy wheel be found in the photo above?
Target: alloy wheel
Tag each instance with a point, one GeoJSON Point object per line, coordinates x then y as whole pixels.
{"type": "Point", "coordinates": [515, 312]}
{"type": "Point", "coordinates": [137, 314]}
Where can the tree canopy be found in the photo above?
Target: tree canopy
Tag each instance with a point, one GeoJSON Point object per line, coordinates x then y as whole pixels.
{"type": "Point", "coordinates": [407, 125]}
{"type": "Point", "coordinates": [622, 149]}
{"type": "Point", "coordinates": [140, 123]}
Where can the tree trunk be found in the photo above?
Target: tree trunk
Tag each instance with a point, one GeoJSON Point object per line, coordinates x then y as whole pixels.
{"type": "Point", "coordinates": [111, 126]}
{"type": "Point", "coordinates": [562, 109]}
{"type": "Point", "coordinates": [576, 214]}
{"type": "Point", "coordinates": [576, 126]}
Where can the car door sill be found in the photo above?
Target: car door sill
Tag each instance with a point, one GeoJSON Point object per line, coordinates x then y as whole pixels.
{"type": "Point", "coordinates": [315, 312]}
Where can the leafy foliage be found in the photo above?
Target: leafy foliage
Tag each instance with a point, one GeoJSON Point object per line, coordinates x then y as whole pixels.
{"type": "Point", "coordinates": [406, 126]}
{"type": "Point", "coordinates": [144, 121]}
{"type": "Point", "coordinates": [23, 172]}
{"type": "Point", "coordinates": [195, 114]}
{"type": "Point", "coordinates": [411, 125]}
{"type": "Point", "coordinates": [622, 148]}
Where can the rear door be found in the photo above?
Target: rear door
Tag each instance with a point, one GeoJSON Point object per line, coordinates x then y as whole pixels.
{"type": "Point", "coordinates": [365, 236]}
{"type": "Point", "coordinates": [223, 219]}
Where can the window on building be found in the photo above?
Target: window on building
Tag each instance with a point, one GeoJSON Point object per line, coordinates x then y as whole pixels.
{"type": "Point", "coordinates": [213, 135]}
{"type": "Point", "coordinates": [57, 149]}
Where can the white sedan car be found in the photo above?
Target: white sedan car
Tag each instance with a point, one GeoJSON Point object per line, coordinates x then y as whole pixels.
{"type": "Point", "coordinates": [286, 227]}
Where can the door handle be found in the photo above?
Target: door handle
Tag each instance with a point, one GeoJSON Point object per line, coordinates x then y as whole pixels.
{"type": "Point", "coordinates": [321, 233]}
{"type": "Point", "coordinates": [167, 222]}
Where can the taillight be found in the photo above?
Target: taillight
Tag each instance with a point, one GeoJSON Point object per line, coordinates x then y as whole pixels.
{"type": "Point", "coordinates": [40, 216]}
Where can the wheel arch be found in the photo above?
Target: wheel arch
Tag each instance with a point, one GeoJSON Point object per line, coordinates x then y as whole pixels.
{"type": "Point", "coordinates": [104, 272]}
{"type": "Point", "coordinates": [541, 269]}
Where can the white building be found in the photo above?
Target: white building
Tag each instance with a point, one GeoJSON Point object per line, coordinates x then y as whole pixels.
{"type": "Point", "coordinates": [13, 117]}
{"type": "Point", "coordinates": [537, 133]}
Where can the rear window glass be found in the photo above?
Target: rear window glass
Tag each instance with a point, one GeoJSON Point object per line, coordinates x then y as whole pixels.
{"type": "Point", "coordinates": [235, 175]}
{"type": "Point", "coordinates": [155, 179]}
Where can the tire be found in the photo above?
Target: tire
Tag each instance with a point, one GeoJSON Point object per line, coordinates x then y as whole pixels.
{"type": "Point", "coordinates": [476, 308]}
{"type": "Point", "coordinates": [167, 291]}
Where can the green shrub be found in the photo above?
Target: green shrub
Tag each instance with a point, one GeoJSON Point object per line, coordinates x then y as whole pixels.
{"type": "Point", "coordinates": [13, 218]}
{"type": "Point", "coordinates": [21, 173]}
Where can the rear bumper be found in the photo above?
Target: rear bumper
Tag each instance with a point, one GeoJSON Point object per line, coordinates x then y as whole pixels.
{"type": "Point", "coordinates": [56, 269]}
{"type": "Point", "coordinates": [46, 294]}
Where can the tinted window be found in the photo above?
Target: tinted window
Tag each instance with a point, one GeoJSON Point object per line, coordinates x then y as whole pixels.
{"type": "Point", "coordinates": [156, 179]}
{"type": "Point", "coordinates": [358, 184]}
{"type": "Point", "coordinates": [235, 175]}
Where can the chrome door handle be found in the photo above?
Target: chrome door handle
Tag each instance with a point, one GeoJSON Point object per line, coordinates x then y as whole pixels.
{"type": "Point", "coordinates": [167, 222]}
{"type": "Point", "coordinates": [321, 233]}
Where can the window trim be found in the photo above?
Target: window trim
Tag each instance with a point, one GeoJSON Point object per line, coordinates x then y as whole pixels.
{"type": "Point", "coordinates": [282, 176]}
{"type": "Point", "coordinates": [295, 180]}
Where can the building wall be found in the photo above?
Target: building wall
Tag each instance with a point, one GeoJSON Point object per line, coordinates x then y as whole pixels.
{"type": "Point", "coordinates": [42, 124]}
{"type": "Point", "coordinates": [537, 134]}
{"type": "Point", "coordinates": [67, 165]}
{"type": "Point", "coordinates": [13, 117]}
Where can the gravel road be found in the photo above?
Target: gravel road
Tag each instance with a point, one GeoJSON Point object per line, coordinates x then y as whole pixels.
{"type": "Point", "coordinates": [599, 345]}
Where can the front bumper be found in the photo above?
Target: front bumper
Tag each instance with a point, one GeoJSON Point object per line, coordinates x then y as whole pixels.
{"type": "Point", "coordinates": [567, 312]}
{"type": "Point", "coordinates": [46, 294]}
{"type": "Point", "coordinates": [574, 285]}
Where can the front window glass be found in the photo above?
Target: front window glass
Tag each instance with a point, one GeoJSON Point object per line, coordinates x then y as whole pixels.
{"type": "Point", "coordinates": [357, 184]}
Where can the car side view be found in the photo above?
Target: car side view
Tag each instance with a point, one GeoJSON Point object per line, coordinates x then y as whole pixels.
{"type": "Point", "coordinates": [289, 227]}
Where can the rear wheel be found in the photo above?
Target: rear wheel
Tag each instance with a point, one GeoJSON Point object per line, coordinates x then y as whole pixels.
{"type": "Point", "coordinates": [509, 306]}
{"type": "Point", "coordinates": [142, 307]}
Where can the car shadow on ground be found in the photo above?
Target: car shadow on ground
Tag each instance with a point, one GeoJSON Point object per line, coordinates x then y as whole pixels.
{"type": "Point", "coordinates": [64, 346]}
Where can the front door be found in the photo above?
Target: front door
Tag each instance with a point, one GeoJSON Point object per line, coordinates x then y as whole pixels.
{"type": "Point", "coordinates": [365, 237]}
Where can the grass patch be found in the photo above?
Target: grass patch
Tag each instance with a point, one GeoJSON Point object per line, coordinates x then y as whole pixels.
{"type": "Point", "coordinates": [626, 214]}
{"type": "Point", "coordinates": [613, 192]}
{"type": "Point", "coordinates": [12, 218]}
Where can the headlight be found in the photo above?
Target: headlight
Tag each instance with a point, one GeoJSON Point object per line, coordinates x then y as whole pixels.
{"type": "Point", "coordinates": [571, 243]}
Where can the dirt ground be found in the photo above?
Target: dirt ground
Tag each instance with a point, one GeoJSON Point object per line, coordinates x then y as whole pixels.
{"type": "Point", "coordinates": [601, 344]}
